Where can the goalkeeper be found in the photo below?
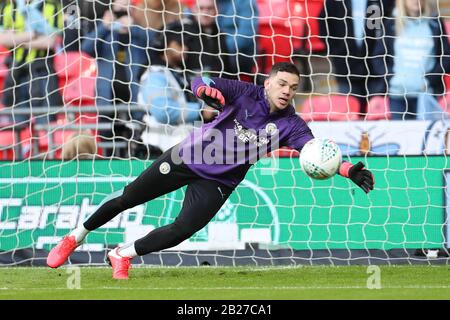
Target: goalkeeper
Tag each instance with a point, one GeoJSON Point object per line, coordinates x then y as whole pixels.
{"type": "Point", "coordinates": [212, 161]}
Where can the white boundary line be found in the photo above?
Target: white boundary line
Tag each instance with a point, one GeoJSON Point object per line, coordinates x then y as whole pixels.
{"type": "Point", "coordinates": [234, 288]}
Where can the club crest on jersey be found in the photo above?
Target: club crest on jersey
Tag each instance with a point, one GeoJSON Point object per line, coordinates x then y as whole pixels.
{"type": "Point", "coordinates": [271, 128]}
{"type": "Point", "coordinates": [164, 168]}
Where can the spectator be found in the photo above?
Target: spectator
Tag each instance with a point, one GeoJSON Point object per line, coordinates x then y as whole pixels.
{"type": "Point", "coordinates": [80, 145]}
{"type": "Point", "coordinates": [207, 47]}
{"type": "Point", "coordinates": [120, 47]}
{"type": "Point", "coordinates": [31, 33]}
{"type": "Point", "coordinates": [164, 86]}
{"type": "Point", "coordinates": [350, 37]}
{"type": "Point", "coordinates": [413, 57]}
{"type": "Point", "coordinates": [238, 20]}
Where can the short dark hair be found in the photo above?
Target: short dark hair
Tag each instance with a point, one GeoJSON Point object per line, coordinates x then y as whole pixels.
{"type": "Point", "coordinates": [284, 67]}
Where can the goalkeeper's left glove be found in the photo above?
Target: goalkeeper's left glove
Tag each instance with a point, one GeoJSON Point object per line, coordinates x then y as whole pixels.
{"type": "Point", "coordinates": [360, 176]}
{"type": "Point", "coordinates": [212, 97]}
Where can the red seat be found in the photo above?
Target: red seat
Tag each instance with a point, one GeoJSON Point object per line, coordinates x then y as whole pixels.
{"type": "Point", "coordinates": [274, 46]}
{"type": "Point", "coordinates": [72, 64]}
{"type": "Point", "coordinates": [79, 91]}
{"type": "Point", "coordinates": [77, 72]}
{"type": "Point", "coordinates": [290, 15]}
{"type": "Point", "coordinates": [330, 108]}
{"type": "Point", "coordinates": [312, 9]}
{"type": "Point", "coordinates": [378, 109]}
{"type": "Point", "coordinates": [286, 27]}
{"type": "Point", "coordinates": [280, 30]}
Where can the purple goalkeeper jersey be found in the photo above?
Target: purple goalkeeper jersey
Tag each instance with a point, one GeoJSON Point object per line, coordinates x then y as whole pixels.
{"type": "Point", "coordinates": [226, 148]}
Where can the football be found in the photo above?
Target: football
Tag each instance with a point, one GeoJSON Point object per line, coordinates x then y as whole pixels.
{"type": "Point", "coordinates": [320, 158]}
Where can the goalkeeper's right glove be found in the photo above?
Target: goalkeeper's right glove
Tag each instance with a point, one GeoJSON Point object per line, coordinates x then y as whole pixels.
{"type": "Point", "coordinates": [212, 97]}
{"type": "Point", "coordinates": [362, 177]}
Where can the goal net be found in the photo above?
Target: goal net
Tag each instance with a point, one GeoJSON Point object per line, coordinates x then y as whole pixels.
{"type": "Point", "coordinates": [93, 91]}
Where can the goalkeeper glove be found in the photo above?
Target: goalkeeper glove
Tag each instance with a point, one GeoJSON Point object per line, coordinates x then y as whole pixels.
{"type": "Point", "coordinates": [363, 178]}
{"type": "Point", "coordinates": [211, 96]}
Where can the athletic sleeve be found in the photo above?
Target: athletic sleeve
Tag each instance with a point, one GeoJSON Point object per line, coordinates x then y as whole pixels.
{"type": "Point", "coordinates": [299, 135]}
{"type": "Point", "coordinates": [230, 89]}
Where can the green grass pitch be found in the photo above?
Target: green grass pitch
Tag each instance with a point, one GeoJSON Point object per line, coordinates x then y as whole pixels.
{"type": "Point", "coordinates": [266, 283]}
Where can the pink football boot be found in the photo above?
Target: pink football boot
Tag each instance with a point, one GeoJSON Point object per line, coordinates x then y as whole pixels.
{"type": "Point", "coordinates": [59, 254]}
{"type": "Point", "coordinates": [119, 264]}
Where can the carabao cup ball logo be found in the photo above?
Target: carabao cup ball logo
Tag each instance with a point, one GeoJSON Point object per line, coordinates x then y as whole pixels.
{"type": "Point", "coordinates": [271, 128]}
{"type": "Point", "coordinates": [320, 158]}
